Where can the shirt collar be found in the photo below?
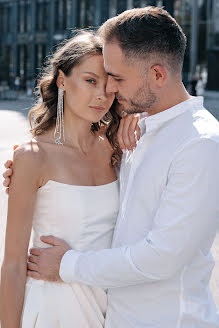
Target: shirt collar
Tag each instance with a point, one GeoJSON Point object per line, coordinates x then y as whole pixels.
{"type": "Point", "coordinates": [153, 122]}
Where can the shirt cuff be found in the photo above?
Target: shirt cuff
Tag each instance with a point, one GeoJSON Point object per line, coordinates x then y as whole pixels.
{"type": "Point", "coordinates": [67, 266]}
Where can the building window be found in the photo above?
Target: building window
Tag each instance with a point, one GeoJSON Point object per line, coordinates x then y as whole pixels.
{"type": "Point", "coordinates": [60, 15]}
{"type": "Point", "coordinates": [40, 54]}
{"type": "Point", "coordinates": [21, 67]}
{"type": "Point", "coordinates": [28, 63]}
{"type": "Point", "coordinates": [104, 11]}
{"type": "Point", "coordinates": [85, 13]}
{"type": "Point", "coordinates": [4, 63]}
{"type": "Point", "coordinates": [8, 22]}
{"type": "Point", "coordinates": [89, 12]}
{"type": "Point", "coordinates": [42, 16]}
{"type": "Point", "coordinates": [5, 11]}
{"type": "Point", "coordinates": [121, 6]}
{"type": "Point", "coordinates": [136, 3]}
{"type": "Point", "coordinates": [28, 17]}
{"type": "Point", "coordinates": [24, 16]}
{"type": "Point", "coordinates": [21, 17]}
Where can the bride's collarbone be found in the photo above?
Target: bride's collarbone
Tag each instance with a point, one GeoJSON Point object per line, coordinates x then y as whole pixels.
{"type": "Point", "coordinates": [77, 170]}
{"type": "Point", "coordinates": [69, 165]}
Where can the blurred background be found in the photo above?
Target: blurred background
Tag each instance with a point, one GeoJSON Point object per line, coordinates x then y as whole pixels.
{"type": "Point", "coordinates": [30, 29]}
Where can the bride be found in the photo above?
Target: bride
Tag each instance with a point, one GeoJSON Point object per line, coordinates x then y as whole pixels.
{"type": "Point", "coordinates": [64, 184]}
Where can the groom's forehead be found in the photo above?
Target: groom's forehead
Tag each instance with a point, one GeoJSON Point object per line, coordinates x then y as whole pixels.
{"type": "Point", "coordinates": [115, 62]}
{"type": "Point", "coordinates": [113, 56]}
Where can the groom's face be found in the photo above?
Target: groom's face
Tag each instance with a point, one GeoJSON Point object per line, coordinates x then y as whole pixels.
{"type": "Point", "coordinates": [128, 79]}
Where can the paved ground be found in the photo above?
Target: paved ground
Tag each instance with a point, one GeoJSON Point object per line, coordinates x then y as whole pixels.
{"type": "Point", "coordinates": [14, 129]}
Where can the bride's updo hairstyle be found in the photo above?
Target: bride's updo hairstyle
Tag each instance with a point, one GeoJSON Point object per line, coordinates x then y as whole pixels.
{"type": "Point", "coordinates": [70, 53]}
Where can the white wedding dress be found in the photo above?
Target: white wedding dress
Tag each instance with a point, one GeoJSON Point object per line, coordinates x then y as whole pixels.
{"type": "Point", "coordinates": [85, 217]}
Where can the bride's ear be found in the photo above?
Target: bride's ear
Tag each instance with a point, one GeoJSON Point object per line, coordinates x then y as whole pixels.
{"type": "Point", "coordinates": [60, 82]}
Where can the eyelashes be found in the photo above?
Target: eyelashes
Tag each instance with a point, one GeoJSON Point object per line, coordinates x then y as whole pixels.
{"type": "Point", "coordinates": [91, 81]}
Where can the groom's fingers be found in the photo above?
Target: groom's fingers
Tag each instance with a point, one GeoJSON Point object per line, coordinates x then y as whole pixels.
{"type": "Point", "coordinates": [8, 164]}
{"type": "Point", "coordinates": [33, 259]}
{"type": "Point", "coordinates": [34, 274]}
{"type": "Point", "coordinates": [51, 240]}
{"type": "Point", "coordinates": [32, 266]}
{"type": "Point", "coordinates": [6, 182]}
{"type": "Point", "coordinates": [36, 251]}
{"type": "Point", "coordinates": [7, 173]}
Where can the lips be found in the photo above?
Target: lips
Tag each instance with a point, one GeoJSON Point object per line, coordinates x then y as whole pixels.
{"type": "Point", "coordinates": [98, 108]}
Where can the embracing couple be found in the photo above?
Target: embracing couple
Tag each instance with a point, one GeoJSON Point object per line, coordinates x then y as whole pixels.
{"type": "Point", "coordinates": [121, 239]}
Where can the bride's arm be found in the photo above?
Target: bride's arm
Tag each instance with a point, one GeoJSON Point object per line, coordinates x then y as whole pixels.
{"type": "Point", "coordinates": [22, 195]}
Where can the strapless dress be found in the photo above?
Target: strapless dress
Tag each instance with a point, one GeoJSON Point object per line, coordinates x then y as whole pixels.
{"type": "Point", "coordinates": [84, 216]}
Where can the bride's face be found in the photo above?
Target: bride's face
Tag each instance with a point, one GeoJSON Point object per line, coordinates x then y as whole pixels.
{"type": "Point", "coordinates": [85, 90]}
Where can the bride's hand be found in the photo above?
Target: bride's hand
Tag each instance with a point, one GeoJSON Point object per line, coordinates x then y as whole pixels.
{"type": "Point", "coordinates": [129, 131]}
{"type": "Point", "coordinates": [8, 173]}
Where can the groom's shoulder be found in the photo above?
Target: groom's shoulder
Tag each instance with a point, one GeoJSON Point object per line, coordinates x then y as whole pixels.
{"type": "Point", "coordinates": [206, 125]}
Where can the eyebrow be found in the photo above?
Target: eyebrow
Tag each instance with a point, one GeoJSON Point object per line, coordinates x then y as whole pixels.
{"type": "Point", "coordinates": [91, 73]}
{"type": "Point", "coordinates": [111, 74]}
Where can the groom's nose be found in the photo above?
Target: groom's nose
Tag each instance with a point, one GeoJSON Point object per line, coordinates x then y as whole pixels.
{"type": "Point", "coordinates": [111, 85]}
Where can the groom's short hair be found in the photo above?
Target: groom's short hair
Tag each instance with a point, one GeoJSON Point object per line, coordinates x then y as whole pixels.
{"type": "Point", "coordinates": [147, 31]}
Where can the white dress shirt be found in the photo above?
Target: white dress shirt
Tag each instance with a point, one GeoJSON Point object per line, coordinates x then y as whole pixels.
{"type": "Point", "coordinates": [158, 271]}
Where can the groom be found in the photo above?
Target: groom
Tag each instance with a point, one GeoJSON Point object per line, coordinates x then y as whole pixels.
{"type": "Point", "coordinates": [157, 273]}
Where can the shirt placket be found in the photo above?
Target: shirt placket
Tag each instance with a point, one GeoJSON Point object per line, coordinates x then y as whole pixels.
{"type": "Point", "coordinates": [139, 154]}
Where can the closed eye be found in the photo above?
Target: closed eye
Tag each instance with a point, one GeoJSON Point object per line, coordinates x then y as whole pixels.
{"type": "Point", "coordinates": [117, 80]}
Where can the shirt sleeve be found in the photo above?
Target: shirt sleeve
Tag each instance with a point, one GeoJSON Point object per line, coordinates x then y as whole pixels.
{"type": "Point", "coordinates": [187, 216]}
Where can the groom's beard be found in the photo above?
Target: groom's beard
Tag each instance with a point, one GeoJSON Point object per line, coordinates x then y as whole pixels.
{"type": "Point", "coordinates": [142, 101]}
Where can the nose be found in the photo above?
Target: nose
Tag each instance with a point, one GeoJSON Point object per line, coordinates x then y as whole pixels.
{"type": "Point", "coordinates": [111, 85]}
{"type": "Point", "coordinates": [101, 94]}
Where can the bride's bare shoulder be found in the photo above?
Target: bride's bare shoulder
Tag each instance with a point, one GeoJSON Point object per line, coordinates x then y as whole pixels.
{"type": "Point", "coordinates": [30, 152]}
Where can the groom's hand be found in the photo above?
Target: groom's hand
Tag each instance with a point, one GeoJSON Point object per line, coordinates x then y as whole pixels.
{"type": "Point", "coordinates": [8, 173]}
{"type": "Point", "coordinates": [44, 263]}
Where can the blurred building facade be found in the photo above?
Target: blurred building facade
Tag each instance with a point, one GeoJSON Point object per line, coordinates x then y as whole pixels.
{"type": "Point", "coordinates": [29, 29]}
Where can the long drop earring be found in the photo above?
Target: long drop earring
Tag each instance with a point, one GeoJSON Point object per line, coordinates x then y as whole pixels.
{"type": "Point", "coordinates": [59, 134]}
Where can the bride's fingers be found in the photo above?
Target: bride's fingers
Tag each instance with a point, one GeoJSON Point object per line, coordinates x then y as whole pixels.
{"type": "Point", "coordinates": [131, 130]}
{"type": "Point", "coordinates": [6, 182]}
{"type": "Point", "coordinates": [138, 131]}
{"type": "Point", "coordinates": [7, 173]}
{"type": "Point", "coordinates": [7, 191]}
{"type": "Point", "coordinates": [119, 134]}
{"type": "Point", "coordinates": [125, 135]}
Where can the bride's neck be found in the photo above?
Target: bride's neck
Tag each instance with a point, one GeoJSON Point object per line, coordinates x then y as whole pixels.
{"type": "Point", "coordinates": [78, 133]}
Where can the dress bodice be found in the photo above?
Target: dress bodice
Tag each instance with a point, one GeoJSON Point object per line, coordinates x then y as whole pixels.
{"type": "Point", "coordinates": [84, 216]}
